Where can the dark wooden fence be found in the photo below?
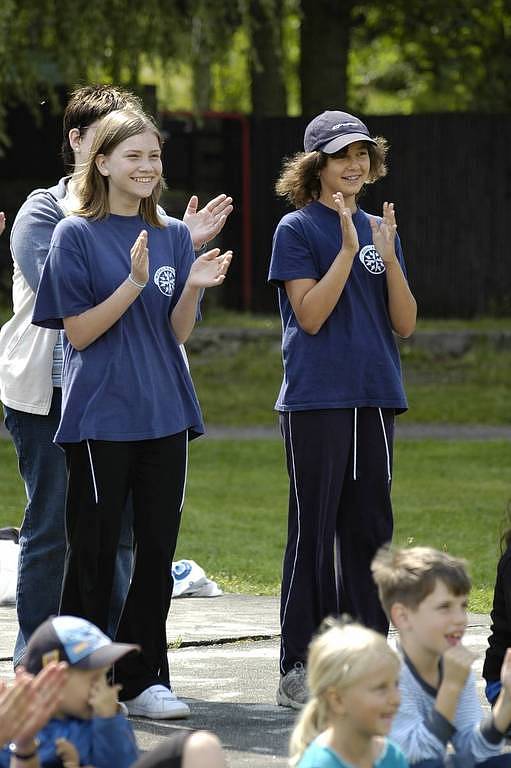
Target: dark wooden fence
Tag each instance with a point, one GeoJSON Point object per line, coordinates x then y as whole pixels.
{"type": "Point", "coordinates": [449, 176]}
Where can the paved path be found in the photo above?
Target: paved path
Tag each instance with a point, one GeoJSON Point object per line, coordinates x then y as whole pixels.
{"type": "Point", "coordinates": [225, 665]}
{"type": "Point", "coordinates": [404, 431]}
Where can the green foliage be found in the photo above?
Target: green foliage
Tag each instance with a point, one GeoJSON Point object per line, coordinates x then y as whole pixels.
{"type": "Point", "coordinates": [429, 55]}
{"type": "Point", "coordinates": [405, 55]}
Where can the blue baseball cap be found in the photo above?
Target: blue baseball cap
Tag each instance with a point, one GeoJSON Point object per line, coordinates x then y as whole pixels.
{"type": "Point", "coordinates": [75, 640]}
{"type": "Point", "coordinates": [332, 130]}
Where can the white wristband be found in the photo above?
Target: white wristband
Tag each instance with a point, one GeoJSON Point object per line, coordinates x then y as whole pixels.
{"type": "Point", "coordinates": [139, 285]}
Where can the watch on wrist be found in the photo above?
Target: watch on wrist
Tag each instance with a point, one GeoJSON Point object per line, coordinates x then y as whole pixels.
{"type": "Point", "coordinates": [13, 749]}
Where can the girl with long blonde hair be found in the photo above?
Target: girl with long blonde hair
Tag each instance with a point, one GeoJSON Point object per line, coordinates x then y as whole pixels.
{"type": "Point", "coordinates": [352, 675]}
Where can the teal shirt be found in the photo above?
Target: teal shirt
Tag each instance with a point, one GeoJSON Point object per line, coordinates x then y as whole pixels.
{"type": "Point", "coordinates": [318, 756]}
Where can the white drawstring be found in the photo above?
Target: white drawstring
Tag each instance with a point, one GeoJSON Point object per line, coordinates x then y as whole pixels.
{"type": "Point", "coordinates": [355, 445]}
{"type": "Point", "coordinates": [386, 445]}
{"type": "Point", "coordinates": [92, 473]}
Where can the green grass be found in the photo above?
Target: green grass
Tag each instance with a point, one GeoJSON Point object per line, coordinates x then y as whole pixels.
{"type": "Point", "coordinates": [237, 384]}
{"type": "Point", "coordinates": [449, 495]}
{"type": "Point", "coordinates": [471, 389]}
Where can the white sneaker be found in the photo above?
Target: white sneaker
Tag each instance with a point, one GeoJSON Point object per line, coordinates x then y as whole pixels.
{"type": "Point", "coordinates": [158, 703]}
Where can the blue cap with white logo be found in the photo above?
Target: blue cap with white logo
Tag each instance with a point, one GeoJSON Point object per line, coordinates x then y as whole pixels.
{"type": "Point", "coordinates": [331, 131]}
{"type": "Point", "coordinates": [75, 640]}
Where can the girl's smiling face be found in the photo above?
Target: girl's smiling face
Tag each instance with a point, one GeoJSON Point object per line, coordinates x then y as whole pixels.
{"type": "Point", "coordinates": [369, 705]}
{"type": "Point", "coordinates": [133, 169]}
{"type": "Point", "coordinates": [346, 171]}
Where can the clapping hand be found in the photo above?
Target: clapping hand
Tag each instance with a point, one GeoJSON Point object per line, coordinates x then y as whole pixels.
{"type": "Point", "coordinates": [349, 233]}
{"type": "Point", "coordinates": [205, 224]}
{"type": "Point", "coordinates": [384, 233]}
{"type": "Point", "coordinates": [27, 706]}
{"type": "Point", "coordinates": [140, 259]}
{"type": "Point", "coordinates": [209, 269]}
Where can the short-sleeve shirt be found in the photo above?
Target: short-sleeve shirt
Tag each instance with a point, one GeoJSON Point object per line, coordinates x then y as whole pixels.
{"type": "Point", "coordinates": [132, 383]}
{"type": "Point", "coordinates": [353, 360]}
{"type": "Point", "coordinates": [319, 756]}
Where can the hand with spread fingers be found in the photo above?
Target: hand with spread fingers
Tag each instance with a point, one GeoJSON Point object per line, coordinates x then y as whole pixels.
{"type": "Point", "coordinates": [205, 224]}
{"type": "Point", "coordinates": [209, 269]}
{"type": "Point", "coordinates": [384, 233]}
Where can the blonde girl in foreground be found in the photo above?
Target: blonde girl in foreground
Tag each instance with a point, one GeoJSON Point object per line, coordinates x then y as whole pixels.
{"type": "Point", "coordinates": [353, 677]}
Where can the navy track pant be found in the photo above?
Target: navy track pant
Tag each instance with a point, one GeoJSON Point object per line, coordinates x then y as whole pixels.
{"type": "Point", "coordinates": [101, 475]}
{"type": "Point", "coordinates": [339, 463]}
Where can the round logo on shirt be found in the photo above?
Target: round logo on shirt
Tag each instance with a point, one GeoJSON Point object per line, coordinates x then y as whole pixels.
{"type": "Point", "coordinates": [165, 279]}
{"type": "Point", "coordinates": [371, 260]}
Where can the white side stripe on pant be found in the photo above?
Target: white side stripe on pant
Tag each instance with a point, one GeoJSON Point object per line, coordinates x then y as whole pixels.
{"type": "Point", "coordinates": [355, 414]}
{"type": "Point", "coordinates": [283, 654]}
{"type": "Point", "coordinates": [92, 473]}
{"type": "Point", "coordinates": [186, 473]}
{"type": "Point", "coordinates": [386, 445]}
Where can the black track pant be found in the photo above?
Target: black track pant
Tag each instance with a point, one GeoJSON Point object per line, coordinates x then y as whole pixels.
{"type": "Point", "coordinates": [340, 466]}
{"type": "Point", "coordinates": [101, 474]}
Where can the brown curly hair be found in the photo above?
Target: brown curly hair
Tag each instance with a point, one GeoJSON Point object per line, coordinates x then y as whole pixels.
{"type": "Point", "coordinates": [299, 181]}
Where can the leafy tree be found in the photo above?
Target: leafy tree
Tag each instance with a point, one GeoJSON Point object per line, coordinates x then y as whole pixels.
{"type": "Point", "coordinates": [429, 55]}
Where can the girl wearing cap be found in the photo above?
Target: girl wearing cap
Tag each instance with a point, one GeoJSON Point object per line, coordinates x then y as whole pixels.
{"type": "Point", "coordinates": [343, 293]}
{"type": "Point", "coordinates": [123, 281]}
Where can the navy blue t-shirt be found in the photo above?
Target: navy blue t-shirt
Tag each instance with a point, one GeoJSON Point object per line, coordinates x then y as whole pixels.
{"type": "Point", "coordinates": [132, 383]}
{"type": "Point", "coordinates": [353, 361]}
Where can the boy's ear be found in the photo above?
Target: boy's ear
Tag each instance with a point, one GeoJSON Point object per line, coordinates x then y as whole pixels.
{"type": "Point", "coordinates": [399, 615]}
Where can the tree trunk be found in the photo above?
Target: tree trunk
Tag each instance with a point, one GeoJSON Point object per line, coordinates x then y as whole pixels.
{"type": "Point", "coordinates": [268, 90]}
{"type": "Point", "coordinates": [201, 61]}
{"type": "Point", "coordinates": [324, 41]}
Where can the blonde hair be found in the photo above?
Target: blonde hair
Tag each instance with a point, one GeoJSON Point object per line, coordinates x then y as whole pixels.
{"type": "Point", "coordinates": [408, 576]}
{"type": "Point", "coordinates": [339, 657]}
{"type": "Point", "coordinates": [92, 186]}
{"type": "Point", "coordinates": [299, 181]}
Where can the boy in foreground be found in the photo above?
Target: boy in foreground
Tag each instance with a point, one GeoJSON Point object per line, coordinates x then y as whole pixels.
{"type": "Point", "coordinates": [88, 713]}
{"type": "Point", "coordinates": [424, 593]}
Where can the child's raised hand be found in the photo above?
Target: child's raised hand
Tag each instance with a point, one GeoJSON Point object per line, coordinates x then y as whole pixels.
{"type": "Point", "coordinates": [350, 242]}
{"type": "Point", "coordinates": [103, 698]}
{"type": "Point", "coordinates": [384, 233]}
{"type": "Point", "coordinates": [140, 259]}
{"type": "Point", "coordinates": [457, 663]}
{"type": "Point", "coordinates": [68, 753]}
{"type": "Point", "coordinates": [209, 269]}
